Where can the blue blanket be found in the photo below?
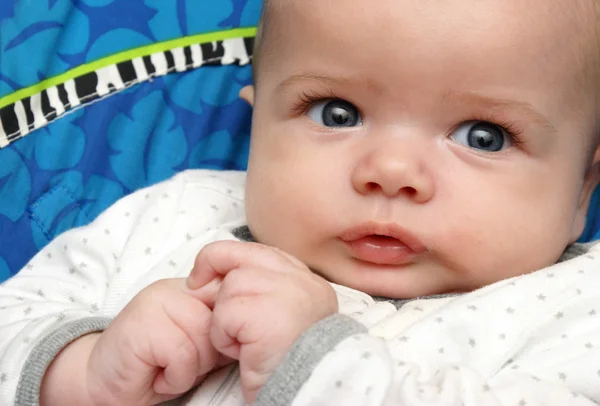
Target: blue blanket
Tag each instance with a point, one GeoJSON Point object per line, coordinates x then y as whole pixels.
{"type": "Point", "coordinates": [62, 164]}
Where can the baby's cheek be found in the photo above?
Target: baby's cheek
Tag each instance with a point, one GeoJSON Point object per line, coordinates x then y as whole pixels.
{"type": "Point", "coordinates": [479, 252]}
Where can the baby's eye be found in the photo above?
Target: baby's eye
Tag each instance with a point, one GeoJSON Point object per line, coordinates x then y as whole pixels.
{"type": "Point", "coordinates": [482, 136]}
{"type": "Point", "coordinates": [334, 113]}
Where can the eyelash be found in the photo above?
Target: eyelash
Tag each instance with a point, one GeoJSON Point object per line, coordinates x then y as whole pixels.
{"type": "Point", "coordinates": [511, 128]}
{"type": "Point", "coordinates": [307, 98]}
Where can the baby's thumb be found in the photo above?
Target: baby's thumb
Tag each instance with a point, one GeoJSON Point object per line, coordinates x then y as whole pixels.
{"type": "Point", "coordinates": [202, 272]}
{"type": "Point", "coordinates": [207, 293]}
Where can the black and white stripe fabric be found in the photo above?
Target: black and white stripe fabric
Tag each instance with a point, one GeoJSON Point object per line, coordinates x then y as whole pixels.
{"type": "Point", "coordinates": [31, 113]}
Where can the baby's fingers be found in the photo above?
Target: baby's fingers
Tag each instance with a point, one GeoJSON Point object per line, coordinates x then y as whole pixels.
{"type": "Point", "coordinates": [180, 361]}
{"type": "Point", "coordinates": [184, 350]}
{"type": "Point", "coordinates": [249, 329]}
{"type": "Point", "coordinates": [207, 293]}
{"type": "Point", "coordinates": [219, 258]}
{"type": "Point", "coordinates": [247, 320]}
{"type": "Point", "coordinates": [227, 322]}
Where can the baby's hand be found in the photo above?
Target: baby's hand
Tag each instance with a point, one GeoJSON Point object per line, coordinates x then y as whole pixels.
{"type": "Point", "coordinates": [266, 300]}
{"type": "Point", "coordinates": [156, 349]}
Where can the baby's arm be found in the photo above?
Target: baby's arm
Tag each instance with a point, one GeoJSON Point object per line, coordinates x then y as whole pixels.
{"type": "Point", "coordinates": [530, 341]}
{"type": "Point", "coordinates": [62, 295]}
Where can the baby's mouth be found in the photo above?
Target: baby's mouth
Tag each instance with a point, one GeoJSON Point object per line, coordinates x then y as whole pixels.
{"type": "Point", "coordinates": [382, 244]}
{"type": "Point", "coordinates": [381, 250]}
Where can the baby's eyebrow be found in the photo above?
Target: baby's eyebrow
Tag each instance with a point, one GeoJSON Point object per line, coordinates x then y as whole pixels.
{"type": "Point", "coordinates": [327, 80]}
{"type": "Point", "coordinates": [491, 103]}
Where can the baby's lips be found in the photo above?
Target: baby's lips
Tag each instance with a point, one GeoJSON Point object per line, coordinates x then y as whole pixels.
{"type": "Point", "coordinates": [382, 250]}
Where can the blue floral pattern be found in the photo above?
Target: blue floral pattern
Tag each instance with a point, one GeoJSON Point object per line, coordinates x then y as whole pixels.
{"type": "Point", "coordinates": [62, 176]}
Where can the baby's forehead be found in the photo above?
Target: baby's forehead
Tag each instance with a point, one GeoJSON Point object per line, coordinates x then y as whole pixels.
{"type": "Point", "coordinates": [546, 23]}
{"type": "Point", "coordinates": [581, 12]}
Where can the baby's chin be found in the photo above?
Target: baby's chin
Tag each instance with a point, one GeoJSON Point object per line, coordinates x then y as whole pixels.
{"type": "Point", "coordinates": [389, 283]}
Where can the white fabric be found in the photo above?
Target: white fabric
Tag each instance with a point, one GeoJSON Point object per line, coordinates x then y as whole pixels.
{"type": "Point", "coordinates": [96, 270]}
{"type": "Point", "coordinates": [532, 340]}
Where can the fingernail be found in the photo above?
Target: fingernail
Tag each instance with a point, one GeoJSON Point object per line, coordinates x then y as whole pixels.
{"type": "Point", "coordinates": [195, 279]}
{"type": "Point", "coordinates": [187, 284]}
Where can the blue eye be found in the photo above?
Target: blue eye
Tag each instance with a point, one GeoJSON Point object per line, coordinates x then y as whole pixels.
{"type": "Point", "coordinates": [334, 113]}
{"type": "Point", "coordinates": [482, 136]}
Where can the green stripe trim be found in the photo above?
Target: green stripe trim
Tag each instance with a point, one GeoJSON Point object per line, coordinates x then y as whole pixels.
{"type": "Point", "coordinates": [126, 56]}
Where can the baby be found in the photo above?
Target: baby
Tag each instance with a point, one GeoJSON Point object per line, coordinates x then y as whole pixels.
{"type": "Point", "coordinates": [405, 234]}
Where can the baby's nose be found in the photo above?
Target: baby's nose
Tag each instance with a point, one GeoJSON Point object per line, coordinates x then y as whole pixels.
{"type": "Point", "coordinates": [393, 174]}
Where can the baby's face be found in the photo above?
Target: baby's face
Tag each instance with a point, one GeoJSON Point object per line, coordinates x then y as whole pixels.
{"type": "Point", "coordinates": [458, 130]}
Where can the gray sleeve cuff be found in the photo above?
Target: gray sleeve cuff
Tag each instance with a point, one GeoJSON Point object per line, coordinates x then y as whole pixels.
{"type": "Point", "coordinates": [576, 250]}
{"type": "Point", "coordinates": [303, 358]}
{"type": "Point", "coordinates": [28, 389]}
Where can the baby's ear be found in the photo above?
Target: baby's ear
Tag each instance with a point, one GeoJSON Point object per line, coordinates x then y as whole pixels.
{"type": "Point", "coordinates": [591, 180]}
{"type": "Point", "coordinates": [247, 94]}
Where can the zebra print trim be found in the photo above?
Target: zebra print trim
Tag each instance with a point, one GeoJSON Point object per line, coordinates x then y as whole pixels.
{"type": "Point", "coordinates": [34, 112]}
